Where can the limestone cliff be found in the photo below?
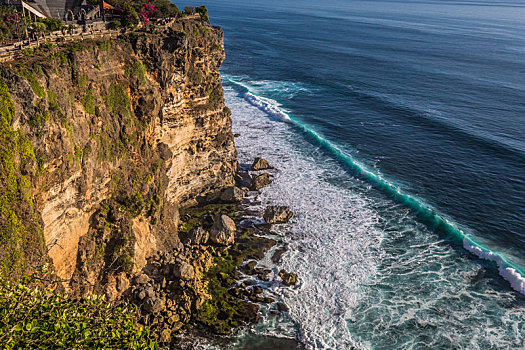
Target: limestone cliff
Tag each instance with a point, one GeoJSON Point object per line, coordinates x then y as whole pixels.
{"type": "Point", "coordinates": [123, 131]}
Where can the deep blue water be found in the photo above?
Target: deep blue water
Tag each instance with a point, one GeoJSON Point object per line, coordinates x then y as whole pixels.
{"type": "Point", "coordinates": [418, 109]}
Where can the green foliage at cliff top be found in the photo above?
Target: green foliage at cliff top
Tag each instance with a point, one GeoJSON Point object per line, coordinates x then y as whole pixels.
{"type": "Point", "coordinates": [163, 8]}
{"type": "Point", "coordinates": [44, 319]}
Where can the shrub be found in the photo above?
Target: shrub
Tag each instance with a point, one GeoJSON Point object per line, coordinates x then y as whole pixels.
{"type": "Point", "coordinates": [21, 240]}
{"type": "Point", "coordinates": [89, 102]}
{"type": "Point", "coordinates": [61, 56]}
{"type": "Point", "coordinates": [104, 46]}
{"type": "Point", "coordinates": [195, 77]}
{"type": "Point", "coordinates": [82, 81]}
{"type": "Point", "coordinates": [29, 52]}
{"type": "Point", "coordinates": [33, 82]}
{"type": "Point", "coordinates": [52, 24]}
{"type": "Point", "coordinates": [215, 98]}
{"type": "Point", "coordinates": [36, 318]}
{"type": "Point", "coordinates": [137, 70]}
{"type": "Point", "coordinates": [118, 101]}
{"type": "Point", "coordinates": [114, 25]}
{"type": "Point", "coordinates": [203, 11]}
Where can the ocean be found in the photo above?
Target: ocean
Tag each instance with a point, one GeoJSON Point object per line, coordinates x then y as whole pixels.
{"type": "Point", "coordinates": [397, 129]}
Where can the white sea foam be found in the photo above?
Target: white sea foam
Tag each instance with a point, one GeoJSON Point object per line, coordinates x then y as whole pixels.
{"type": "Point", "coordinates": [336, 248]}
{"type": "Point", "coordinates": [272, 108]}
{"type": "Point", "coordinates": [267, 106]}
{"type": "Point", "coordinates": [509, 273]}
{"type": "Point", "coordinates": [334, 245]}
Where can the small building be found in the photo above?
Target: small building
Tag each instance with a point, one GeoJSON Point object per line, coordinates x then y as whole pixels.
{"type": "Point", "coordinates": [109, 11]}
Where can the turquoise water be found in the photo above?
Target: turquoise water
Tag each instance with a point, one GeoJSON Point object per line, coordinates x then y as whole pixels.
{"type": "Point", "coordinates": [398, 132]}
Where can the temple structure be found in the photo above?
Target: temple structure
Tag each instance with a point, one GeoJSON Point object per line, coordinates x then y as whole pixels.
{"type": "Point", "coordinates": [66, 10]}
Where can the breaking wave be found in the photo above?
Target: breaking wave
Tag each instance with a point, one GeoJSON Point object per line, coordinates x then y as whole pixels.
{"type": "Point", "coordinates": [424, 212]}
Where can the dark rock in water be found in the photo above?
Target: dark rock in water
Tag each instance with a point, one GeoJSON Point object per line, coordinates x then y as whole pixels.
{"type": "Point", "coordinates": [256, 298]}
{"type": "Point", "coordinates": [260, 164]}
{"type": "Point", "coordinates": [263, 273]}
{"type": "Point", "coordinates": [275, 214]}
{"type": "Point", "coordinates": [278, 254]}
{"type": "Point", "coordinates": [268, 300]}
{"type": "Point", "coordinates": [236, 135]}
{"type": "Point", "coordinates": [289, 279]}
{"type": "Point", "coordinates": [249, 312]}
{"type": "Point", "coordinates": [223, 230]}
{"type": "Point", "coordinates": [236, 292]}
{"type": "Point", "coordinates": [282, 307]}
{"type": "Point", "coordinates": [197, 236]}
{"type": "Point", "coordinates": [260, 181]}
{"type": "Point", "coordinates": [243, 179]}
{"type": "Point", "coordinates": [257, 289]}
{"type": "Point", "coordinates": [232, 194]}
{"type": "Point", "coordinates": [249, 268]}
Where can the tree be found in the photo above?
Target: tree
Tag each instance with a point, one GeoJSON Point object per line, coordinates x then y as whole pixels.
{"type": "Point", "coordinates": [39, 28]}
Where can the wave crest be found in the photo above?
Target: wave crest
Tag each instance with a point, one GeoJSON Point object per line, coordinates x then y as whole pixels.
{"type": "Point", "coordinates": [424, 212]}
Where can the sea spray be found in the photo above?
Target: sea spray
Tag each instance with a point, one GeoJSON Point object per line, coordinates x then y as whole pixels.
{"type": "Point", "coordinates": [509, 271]}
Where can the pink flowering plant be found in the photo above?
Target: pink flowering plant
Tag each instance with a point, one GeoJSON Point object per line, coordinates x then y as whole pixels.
{"type": "Point", "coordinates": [146, 12]}
{"type": "Point", "coordinates": [14, 18]}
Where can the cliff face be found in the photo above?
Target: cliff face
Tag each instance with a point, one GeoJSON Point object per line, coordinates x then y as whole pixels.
{"type": "Point", "coordinates": [124, 132]}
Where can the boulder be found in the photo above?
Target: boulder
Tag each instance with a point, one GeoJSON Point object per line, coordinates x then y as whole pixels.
{"type": "Point", "coordinates": [289, 279]}
{"type": "Point", "coordinates": [282, 307]}
{"type": "Point", "coordinates": [232, 194]}
{"type": "Point", "coordinates": [249, 268]}
{"type": "Point", "coordinates": [248, 312]}
{"type": "Point", "coordinates": [260, 181]}
{"type": "Point", "coordinates": [256, 299]}
{"type": "Point", "coordinates": [197, 236]}
{"type": "Point", "coordinates": [165, 336]}
{"type": "Point", "coordinates": [164, 151]}
{"type": "Point", "coordinates": [154, 305]}
{"type": "Point", "coordinates": [260, 164]}
{"type": "Point", "coordinates": [275, 214]}
{"type": "Point", "coordinates": [183, 270]}
{"type": "Point", "coordinates": [263, 273]}
{"type": "Point", "coordinates": [141, 279]}
{"type": "Point", "coordinates": [223, 230]}
{"type": "Point", "coordinates": [278, 254]}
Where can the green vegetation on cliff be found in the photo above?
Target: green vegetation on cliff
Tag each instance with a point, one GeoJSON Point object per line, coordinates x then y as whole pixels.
{"type": "Point", "coordinates": [33, 318]}
{"type": "Point", "coordinates": [21, 236]}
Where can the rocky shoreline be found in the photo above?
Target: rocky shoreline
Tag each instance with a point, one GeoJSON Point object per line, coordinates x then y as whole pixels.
{"type": "Point", "coordinates": [129, 187]}
{"type": "Point", "coordinates": [212, 284]}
